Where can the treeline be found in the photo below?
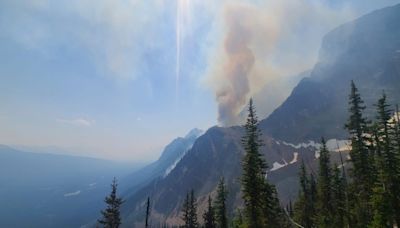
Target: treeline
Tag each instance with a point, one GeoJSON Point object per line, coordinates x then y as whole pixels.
{"type": "Point", "coordinates": [369, 196]}
{"type": "Point", "coordinates": [363, 191]}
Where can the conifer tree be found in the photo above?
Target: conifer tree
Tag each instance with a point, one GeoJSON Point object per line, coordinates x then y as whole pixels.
{"type": "Point", "coordinates": [254, 171]}
{"type": "Point", "coordinates": [220, 205]}
{"type": "Point", "coordinates": [380, 200]}
{"type": "Point", "coordinates": [303, 207]}
{"type": "Point", "coordinates": [193, 211]}
{"type": "Point", "coordinates": [209, 215]}
{"type": "Point", "coordinates": [391, 160]}
{"type": "Point", "coordinates": [147, 212]}
{"type": "Point", "coordinates": [111, 215]}
{"type": "Point", "coordinates": [189, 210]}
{"type": "Point", "coordinates": [237, 221]}
{"type": "Point", "coordinates": [338, 199]}
{"type": "Point", "coordinates": [362, 169]}
{"type": "Point", "coordinates": [324, 186]}
{"type": "Point", "coordinates": [273, 214]}
{"type": "Point", "coordinates": [186, 211]}
{"type": "Point", "coordinates": [313, 198]}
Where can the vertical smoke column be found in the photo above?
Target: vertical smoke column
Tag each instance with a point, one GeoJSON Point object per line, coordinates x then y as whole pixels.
{"type": "Point", "coordinates": [236, 69]}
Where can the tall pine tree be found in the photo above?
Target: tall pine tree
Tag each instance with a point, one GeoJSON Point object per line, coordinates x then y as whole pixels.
{"type": "Point", "coordinates": [304, 206]}
{"type": "Point", "coordinates": [147, 212]}
{"type": "Point", "coordinates": [339, 208]}
{"type": "Point", "coordinates": [254, 171]}
{"type": "Point", "coordinates": [220, 205]}
{"type": "Point", "coordinates": [390, 158]}
{"type": "Point", "coordinates": [362, 169]}
{"type": "Point", "coordinates": [324, 187]}
{"type": "Point", "coordinates": [189, 210]}
{"type": "Point", "coordinates": [111, 215]}
{"type": "Point", "coordinates": [209, 215]}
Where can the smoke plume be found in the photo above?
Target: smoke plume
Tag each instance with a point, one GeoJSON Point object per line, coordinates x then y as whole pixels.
{"type": "Point", "coordinates": [263, 46]}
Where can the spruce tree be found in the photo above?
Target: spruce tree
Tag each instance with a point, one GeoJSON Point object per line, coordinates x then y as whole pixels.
{"type": "Point", "coordinates": [209, 215]}
{"type": "Point", "coordinates": [391, 160]}
{"type": "Point", "coordinates": [273, 214]}
{"type": "Point", "coordinates": [380, 199]}
{"type": "Point", "coordinates": [324, 186]}
{"type": "Point", "coordinates": [189, 210]}
{"type": "Point", "coordinates": [111, 215]}
{"type": "Point", "coordinates": [312, 204]}
{"type": "Point", "coordinates": [147, 212]}
{"type": "Point", "coordinates": [362, 169]}
{"type": "Point", "coordinates": [237, 221]}
{"type": "Point", "coordinates": [339, 208]}
{"type": "Point", "coordinates": [254, 171]}
{"type": "Point", "coordinates": [186, 211]}
{"type": "Point", "coordinates": [303, 207]}
{"type": "Point", "coordinates": [193, 210]}
{"type": "Point", "coordinates": [220, 205]}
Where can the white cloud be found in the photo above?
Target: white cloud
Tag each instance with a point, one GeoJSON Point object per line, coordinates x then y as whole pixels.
{"type": "Point", "coordinates": [114, 34]}
{"type": "Point", "coordinates": [80, 122]}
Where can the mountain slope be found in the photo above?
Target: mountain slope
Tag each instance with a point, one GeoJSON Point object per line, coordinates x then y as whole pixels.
{"type": "Point", "coordinates": [367, 51]}
{"type": "Point", "coordinates": [170, 156]}
{"type": "Point", "coordinates": [215, 154]}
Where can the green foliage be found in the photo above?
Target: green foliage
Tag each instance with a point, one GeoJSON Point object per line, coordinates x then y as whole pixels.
{"type": "Point", "coordinates": [362, 168]}
{"type": "Point", "coordinates": [111, 215]}
{"type": "Point", "coordinates": [339, 205]}
{"type": "Point", "coordinates": [238, 221]}
{"type": "Point", "coordinates": [324, 189]}
{"type": "Point", "coordinates": [261, 204]}
{"type": "Point", "coordinates": [386, 199]}
{"type": "Point", "coordinates": [370, 198]}
{"type": "Point", "coordinates": [304, 207]}
{"type": "Point", "coordinates": [254, 170]}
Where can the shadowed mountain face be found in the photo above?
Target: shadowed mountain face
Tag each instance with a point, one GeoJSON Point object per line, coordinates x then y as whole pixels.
{"type": "Point", "coordinates": [169, 158]}
{"type": "Point", "coordinates": [366, 50]}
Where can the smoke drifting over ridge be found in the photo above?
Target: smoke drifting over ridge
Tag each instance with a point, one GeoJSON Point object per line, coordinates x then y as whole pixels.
{"type": "Point", "coordinates": [239, 60]}
{"type": "Point", "coordinates": [263, 46]}
{"type": "Point", "coordinates": [238, 64]}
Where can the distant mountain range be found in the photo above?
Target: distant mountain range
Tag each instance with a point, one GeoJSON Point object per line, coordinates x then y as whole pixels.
{"type": "Point", "coordinates": [48, 190]}
{"type": "Point", "coordinates": [366, 50]}
{"type": "Point", "coordinates": [54, 190]}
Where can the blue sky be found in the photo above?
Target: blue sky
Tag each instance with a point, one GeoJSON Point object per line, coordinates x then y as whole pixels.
{"type": "Point", "coordinates": [98, 78]}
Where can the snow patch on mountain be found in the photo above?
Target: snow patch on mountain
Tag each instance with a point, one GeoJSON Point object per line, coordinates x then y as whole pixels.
{"type": "Point", "coordinates": [302, 145]}
{"type": "Point", "coordinates": [295, 158]}
{"type": "Point", "coordinates": [331, 144]}
{"type": "Point", "coordinates": [172, 167]}
{"type": "Point", "coordinates": [278, 165]}
{"type": "Point", "coordinates": [194, 133]}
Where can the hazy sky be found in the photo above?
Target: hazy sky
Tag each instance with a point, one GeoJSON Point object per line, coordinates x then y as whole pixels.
{"type": "Point", "coordinates": [120, 79]}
